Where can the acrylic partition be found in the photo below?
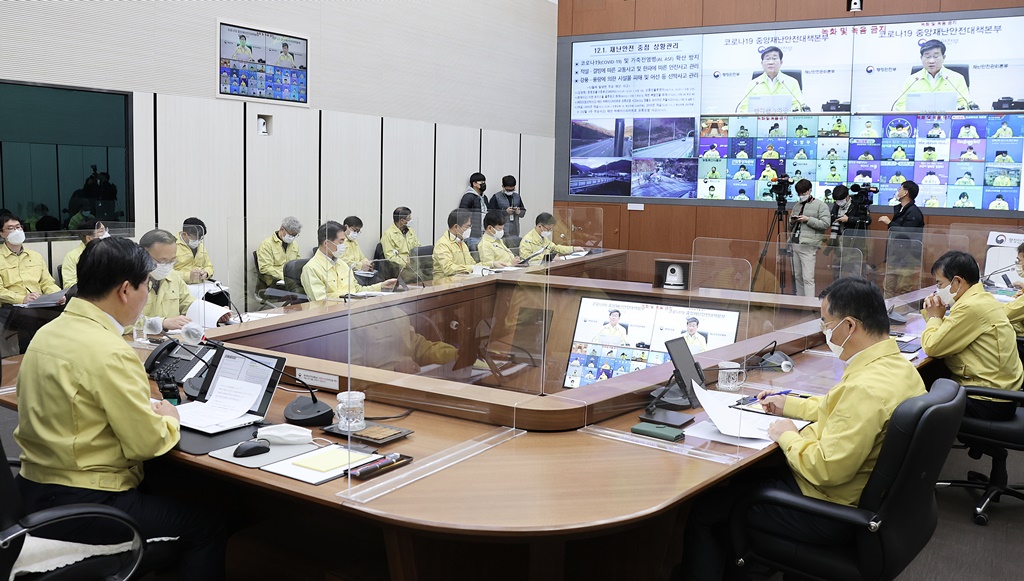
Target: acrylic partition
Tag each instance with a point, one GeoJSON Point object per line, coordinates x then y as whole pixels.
{"type": "Point", "coordinates": [581, 227]}
{"type": "Point", "coordinates": [995, 248]}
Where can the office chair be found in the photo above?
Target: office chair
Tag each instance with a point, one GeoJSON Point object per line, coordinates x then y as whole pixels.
{"type": "Point", "coordinates": [512, 243]}
{"type": "Point", "coordinates": [991, 438]}
{"type": "Point", "coordinates": [385, 267]}
{"type": "Point", "coordinates": [77, 561]}
{"type": "Point", "coordinates": [60, 275]}
{"type": "Point", "coordinates": [422, 261]}
{"type": "Point", "coordinates": [897, 511]}
{"type": "Point", "coordinates": [293, 275]}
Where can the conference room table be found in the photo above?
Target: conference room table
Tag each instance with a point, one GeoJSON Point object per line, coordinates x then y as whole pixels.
{"type": "Point", "coordinates": [505, 484]}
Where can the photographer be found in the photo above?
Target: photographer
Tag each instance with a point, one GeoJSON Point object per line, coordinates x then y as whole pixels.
{"type": "Point", "coordinates": [807, 225]}
{"type": "Point", "coordinates": [850, 217]}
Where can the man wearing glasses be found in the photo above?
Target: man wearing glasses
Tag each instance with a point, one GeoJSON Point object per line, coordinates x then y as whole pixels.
{"type": "Point", "coordinates": [26, 277]}
{"type": "Point", "coordinates": [168, 298]}
{"type": "Point", "coordinates": [833, 457]}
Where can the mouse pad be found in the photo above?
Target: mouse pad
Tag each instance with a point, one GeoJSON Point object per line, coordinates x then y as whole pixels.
{"type": "Point", "coordinates": [198, 443]}
{"type": "Point", "coordinates": [277, 453]}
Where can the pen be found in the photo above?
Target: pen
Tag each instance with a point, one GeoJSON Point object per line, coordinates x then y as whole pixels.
{"type": "Point", "coordinates": [783, 392]}
{"type": "Point", "coordinates": [376, 465]}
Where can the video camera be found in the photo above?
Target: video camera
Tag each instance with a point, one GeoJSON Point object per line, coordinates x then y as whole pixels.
{"type": "Point", "coordinates": [781, 189]}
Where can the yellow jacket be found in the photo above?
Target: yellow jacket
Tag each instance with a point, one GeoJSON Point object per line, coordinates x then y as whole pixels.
{"type": "Point", "coordinates": [323, 278]}
{"type": "Point", "coordinates": [533, 242]}
{"type": "Point", "coordinates": [272, 256]}
{"type": "Point", "coordinates": [391, 342]}
{"type": "Point", "coordinates": [84, 417]}
{"type": "Point", "coordinates": [170, 299]}
{"type": "Point", "coordinates": [493, 250]}
{"type": "Point", "coordinates": [69, 268]}
{"type": "Point", "coordinates": [784, 85]}
{"type": "Point", "coordinates": [185, 261]}
{"type": "Point", "coordinates": [451, 257]}
{"type": "Point", "coordinates": [976, 341]}
{"type": "Point", "coordinates": [353, 255]}
{"type": "Point", "coordinates": [833, 457]}
{"type": "Point", "coordinates": [950, 82]}
{"type": "Point", "coordinates": [22, 273]}
{"type": "Point", "coordinates": [1015, 313]}
{"type": "Point", "coordinates": [397, 246]}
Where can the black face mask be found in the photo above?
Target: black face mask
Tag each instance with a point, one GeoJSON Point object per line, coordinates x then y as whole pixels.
{"type": "Point", "coordinates": [483, 188]}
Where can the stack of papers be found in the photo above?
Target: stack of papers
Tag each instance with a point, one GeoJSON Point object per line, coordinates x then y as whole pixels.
{"type": "Point", "coordinates": [734, 422]}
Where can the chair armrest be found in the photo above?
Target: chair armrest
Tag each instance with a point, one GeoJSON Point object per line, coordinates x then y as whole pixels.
{"type": "Point", "coordinates": [847, 514]}
{"type": "Point", "coordinates": [12, 461]}
{"type": "Point", "coordinates": [1015, 395]}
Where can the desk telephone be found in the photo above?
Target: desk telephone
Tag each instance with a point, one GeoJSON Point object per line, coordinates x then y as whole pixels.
{"type": "Point", "coordinates": [171, 360]}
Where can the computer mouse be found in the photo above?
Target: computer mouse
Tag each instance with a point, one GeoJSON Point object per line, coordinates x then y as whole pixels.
{"type": "Point", "coordinates": [251, 448]}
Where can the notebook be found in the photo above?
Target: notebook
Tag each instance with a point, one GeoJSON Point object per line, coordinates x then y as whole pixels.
{"type": "Point", "coordinates": [237, 393]}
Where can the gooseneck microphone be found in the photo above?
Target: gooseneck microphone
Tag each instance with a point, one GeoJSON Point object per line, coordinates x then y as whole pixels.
{"type": "Point", "coordinates": [302, 411]}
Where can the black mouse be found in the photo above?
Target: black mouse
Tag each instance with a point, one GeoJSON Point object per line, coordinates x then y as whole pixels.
{"type": "Point", "coordinates": [251, 448]}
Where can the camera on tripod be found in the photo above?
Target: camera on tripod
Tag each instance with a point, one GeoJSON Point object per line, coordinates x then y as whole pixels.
{"type": "Point", "coordinates": [781, 190]}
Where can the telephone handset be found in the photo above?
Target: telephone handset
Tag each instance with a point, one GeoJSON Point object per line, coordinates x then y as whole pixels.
{"type": "Point", "coordinates": [159, 356]}
{"type": "Point", "coordinates": [171, 359]}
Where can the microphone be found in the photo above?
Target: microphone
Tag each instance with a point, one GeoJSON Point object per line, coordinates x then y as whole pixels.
{"type": "Point", "coordinates": [803, 106]}
{"type": "Point", "coordinates": [737, 109]}
{"type": "Point", "coordinates": [230, 302]}
{"type": "Point", "coordinates": [859, 188]}
{"type": "Point", "coordinates": [971, 105]}
{"type": "Point", "coordinates": [302, 411]}
{"type": "Point", "coordinates": [987, 279]}
{"type": "Point", "coordinates": [917, 77]}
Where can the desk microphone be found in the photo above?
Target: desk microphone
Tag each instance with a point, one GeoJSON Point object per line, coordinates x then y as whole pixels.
{"type": "Point", "coordinates": [803, 106]}
{"type": "Point", "coordinates": [303, 411]}
{"type": "Point", "coordinates": [987, 280]}
{"type": "Point", "coordinates": [737, 109]}
{"type": "Point", "coordinates": [917, 77]}
{"type": "Point", "coordinates": [230, 302]}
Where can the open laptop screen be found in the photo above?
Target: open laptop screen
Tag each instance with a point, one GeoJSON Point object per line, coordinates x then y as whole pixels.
{"type": "Point", "coordinates": [227, 364]}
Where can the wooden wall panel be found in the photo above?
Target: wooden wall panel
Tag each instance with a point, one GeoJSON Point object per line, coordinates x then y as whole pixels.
{"type": "Point", "coordinates": [598, 16]}
{"type": "Point", "coordinates": [815, 9]}
{"type": "Point", "coordinates": [613, 226]}
{"type": "Point", "coordinates": [719, 12]}
{"type": "Point", "coordinates": [565, 18]}
{"type": "Point", "coordinates": [660, 14]}
{"type": "Point", "coordinates": [957, 5]}
{"type": "Point", "coordinates": [662, 228]}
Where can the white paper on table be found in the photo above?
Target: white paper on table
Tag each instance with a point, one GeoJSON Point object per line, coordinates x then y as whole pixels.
{"type": "Point", "coordinates": [231, 399]}
{"type": "Point", "coordinates": [706, 430]}
{"type": "Point", "coordinates": [199, 290]}
{"type": "Point", "coordinates": [206, 314]}
{"type": "Point", "coordinates": [734, 422]}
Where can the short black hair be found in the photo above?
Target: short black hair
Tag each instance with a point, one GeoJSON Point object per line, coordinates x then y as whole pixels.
{"type": "Point", "coordinates": [399, 213]}
{"type": "Point", "coordinates": [477, 177]}
{"type": "Point", "coordinates": [284, 45]}
{"type": "Point", "coordinates": [458, 217]}
{"type": "Point", "coordinates": [933, 43]}
{"type": "Point", "coordinates": [7, 217]}
{"type": "Point", "coordinates": [493, 218]}
{"type": "Point", "coordinates": [855, 296]}
{"type": "Point", "coordinates": [508, 181]}
{"type": "Point", "coordinates": [771, 49]}
{"type": "Point", "coordinates": [614, 311]}
{"type": "Point", "coordinates": [692, 320]}
{"type": "Point", "coordinates": [353, 222]}
{"type": "Point", "coordinates": [840, 192]}
{"type": "Point", "coordinates": [1020, 248]}
{"type": "Point", "coordinates": [157, 236]}
{"type": "Point", "coordinates": [958, 263]}
{"type": "Point", "coordinates": [545, 219]}
{"type": "Point", "coordinates": [86, 228]}
{"type": "Point", "coordinates": [328, 231]}
{"type": "Point", "coordinates": [911, 188]}
{"type": "Point", "coordinates": [803, 186]}
{"type": "Point", "coordinates": [107, 263]}
{"type": "Point", "coordinates": [197, 226]}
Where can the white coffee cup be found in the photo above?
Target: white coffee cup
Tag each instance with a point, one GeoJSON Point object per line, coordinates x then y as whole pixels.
{"type": "Point", "coordinates": [730, 376]}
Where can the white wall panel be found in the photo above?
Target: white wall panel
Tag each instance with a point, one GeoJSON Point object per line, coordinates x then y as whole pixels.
{"type": "Point", "coordinates": [458, 156]}
{"type": "Point", "coordinates": [350, 170]}
{"type": "Point", "coordinates": [199, 173]}
{"type": "Point", "coordinates": [538, 165]}
{"type": "Point", "coordinates": [408, 172]}
{"type": "Point", "coordinates": [142, 152]}
{"type": "Point", "coordinates": [499, 157]}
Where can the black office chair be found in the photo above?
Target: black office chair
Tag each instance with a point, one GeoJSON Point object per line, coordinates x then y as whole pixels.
{"type": "Point", "coordinates": [991, 438]}
{"type": "Point", "coordinates": [385, 268]}
{"type": "Point", "coordinates": [897, 511]}
{"type": "Point", "coordinates": [293, 275]}
{"type": "Point", "coordinates": [421, 260]}
{"type": "Point", "coordinates": [15, 526]}
{"type": "Point", "coordinates": [512, 243]}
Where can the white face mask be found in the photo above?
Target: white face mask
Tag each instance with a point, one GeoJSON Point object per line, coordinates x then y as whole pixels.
{"type": "Point", "coordinates": [499, 233]}
{"type": "Point", "coordinates": [546, 234]}
{"type": "Point", "coordinates": [161, 271]}
{"type": "Point", "coordinates": [288, 239]}
{"type": "Point", "coordinates": [193, 244]}
{"type": "Point", "coordinates": [1020, 270]}
{"type": "Point", "coordinates": [463, 234]}
{"type": "Point", "coordinates": [104, 236]}
{"type": "Point", "coordinates": [946, 295]}
{"type": "Point", "coordinates": [837, 349]}
{"type": "Point", "coordinates": [804, 198]}
{"type": "Point", "coordinates": [843, 203]}
{"type": "Point", "coordinates": [353, 235]}
{"type": "Point", "coordinates": [17, 237]}
{"type": "Point", "coordinates": [338, 249]}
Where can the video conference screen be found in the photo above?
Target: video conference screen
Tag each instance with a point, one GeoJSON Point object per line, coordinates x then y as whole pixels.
{"type": "Point", "coordinates": [716, 116]}
{"type": "Point", "coordinates": [262, 64]}
{"type": "Point", "coordinates": [615, 337]}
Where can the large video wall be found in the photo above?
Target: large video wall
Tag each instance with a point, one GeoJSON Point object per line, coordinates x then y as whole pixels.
{"type": "Point", "coordinates": [716, 116]}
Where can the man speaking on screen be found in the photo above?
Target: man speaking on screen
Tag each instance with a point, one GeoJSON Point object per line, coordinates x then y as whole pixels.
{"type": "Point", "coordinates": [772, 81]}
{"type": "Point", "coordinates": [935, 78]}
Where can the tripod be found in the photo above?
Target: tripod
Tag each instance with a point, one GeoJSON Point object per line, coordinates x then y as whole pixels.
{"type": "Point", "coordinates": [776, 229]}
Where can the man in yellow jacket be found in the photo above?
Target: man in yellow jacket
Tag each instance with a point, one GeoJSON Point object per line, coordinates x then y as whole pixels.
{"type": "Point", "coordinates": [976, 340]}
{"type": "Point", "coordinates": [25, 275]}
{"type": "Point", "coordinates": [833, 457]}
{"type": "Point", "coordinates": [492, 249]}
{"type": "Point", "coordinates": [89, 230]}
{"type": "Point", "coordinates": [191, 260]}
{"type": "Point", "coordinates": [772, 81]}
{"type": "Point", "coordinates": [168, 298]}
{"type": "Point", "coordinates": [935, 78]}
{"type": "Point", "coordinates": [326, 275]}
{"type": "Point", "coordinates": [86, 422]}
{"type": "Point", "coordinates": [540, 238]}
{"type": "Point", "coordinates": [277, 250]}
{"type": "Point", "coordinates": [399, 239]}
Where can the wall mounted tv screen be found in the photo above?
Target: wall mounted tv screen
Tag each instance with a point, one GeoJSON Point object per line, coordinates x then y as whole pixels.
{"type": "Point", "coordinates": [261, 64]}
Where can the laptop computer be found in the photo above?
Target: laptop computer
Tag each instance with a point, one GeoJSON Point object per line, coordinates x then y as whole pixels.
{"type": "Point", "coordinates": [234, 367]}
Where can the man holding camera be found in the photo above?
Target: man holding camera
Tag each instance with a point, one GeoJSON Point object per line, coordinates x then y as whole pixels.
{"type": "Point", "coordinates": [807, 224]}
{"type": "Point", "coordinates": [849, 217]}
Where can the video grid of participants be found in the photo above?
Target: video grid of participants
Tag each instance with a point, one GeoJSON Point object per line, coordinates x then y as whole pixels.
{"type": "Point", "coordinates": [256, 63]}
{"type": "Point", "coordinates": [718, 116]}
{"type": "Point", "coordinates": [616, 337]}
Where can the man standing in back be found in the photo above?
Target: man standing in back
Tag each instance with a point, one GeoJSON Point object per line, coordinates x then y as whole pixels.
{"type": "Point", "coordinates": [476, 203]}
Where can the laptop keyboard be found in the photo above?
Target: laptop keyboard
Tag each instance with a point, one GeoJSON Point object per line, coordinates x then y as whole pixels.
{"type": "Point", "coordinates": [909, 346]}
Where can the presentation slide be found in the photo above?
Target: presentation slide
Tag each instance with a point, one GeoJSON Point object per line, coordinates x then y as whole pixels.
{"type": "Point", "coordinates": [711, 116]}
{"type": "Point", "coordinates": [614, 337]}
{"type": "Point", "coordinates": [261, 64]}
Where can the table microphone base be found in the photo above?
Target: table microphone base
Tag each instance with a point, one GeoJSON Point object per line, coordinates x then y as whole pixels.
{"type": "Point", "coordinates": [303, 411]}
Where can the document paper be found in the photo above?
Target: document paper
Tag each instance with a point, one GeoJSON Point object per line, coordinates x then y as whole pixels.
{"type": "Point", "coordinates": [232, 399]}
{"type": "Point", "coordinates": [733, 422]}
